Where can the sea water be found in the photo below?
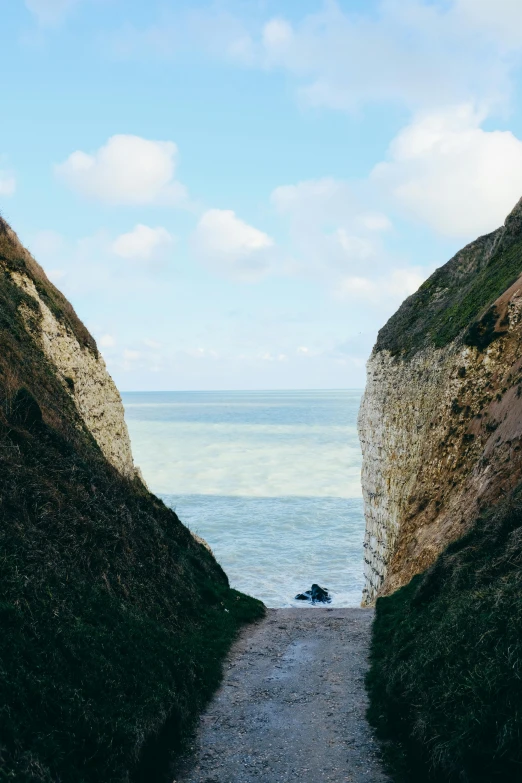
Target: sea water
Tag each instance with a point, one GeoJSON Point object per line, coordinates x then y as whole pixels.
{"type": "Point", "coordinates": [270, 479]}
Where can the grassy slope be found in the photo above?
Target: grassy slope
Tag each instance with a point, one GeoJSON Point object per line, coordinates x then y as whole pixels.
{"type": "Point", "coordinates": [114, 621]}
{"type": "Point", "coordinates": [457, 295]}
{"type": "Point", "coordinates": [445, 681]}
{"type": "Point", "coordinates": [446, 662]}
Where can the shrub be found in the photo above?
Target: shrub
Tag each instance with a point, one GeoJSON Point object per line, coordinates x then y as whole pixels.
{"type": "Point", "coordinates": [456, 300]}
{"type": "Point", "coordinates": [445, 681]}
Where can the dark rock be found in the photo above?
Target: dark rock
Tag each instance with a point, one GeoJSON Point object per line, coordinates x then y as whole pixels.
{"type": "Point", "coordinates": [320, 595]}
{"type": "Point", "coordinates": [317, 595]}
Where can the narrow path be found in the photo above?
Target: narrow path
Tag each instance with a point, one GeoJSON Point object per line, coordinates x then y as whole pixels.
{"type": "Point", "coordinates": [292, 705]}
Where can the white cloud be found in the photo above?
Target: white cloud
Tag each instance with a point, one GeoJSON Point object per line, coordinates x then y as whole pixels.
{"type": "Point", "coordinates": [354, 247]}
{"type": "Point", "coordinates": [389, 290]}
{"type": "Point", "coordinates": [375, 221]}
{"type": "Point", "coordinates": [276, 33]}
{"type": "Point", "coordinates": [338, 241]}
{"type": "Point", "coordinates": [49, 12]}
{"type": "Point", "coordinates": [142, 243]}
{"type": "Point", "coordinates": [443, 169]}
{"type": "Point", "coordinates": [231, 246]}
{"type": "Point", "coordinates": [499, 19]}
{"type": "Point", "coordinates": [316, 200]}
{"type": "Point", "coordinates": [7, 183]}
{"type": "Point", "coordinates": [331, 229]}
{"type": "Point", "coordinates": [330, 202]}
{"type": "Point", "coordinates": [126, 170]}
{"type": "Point", "coordinates": [418, 53]}
{"type": "Point", "coordinates": [89, 264]}
{"type": "Point", "coordinates": [407, 51]}
{"type": "Point", "coordinates": [448, 172]}
{"type": "Point", "coordinates": [107, 341]}
{"type": "Point", "coordinates": [210, 29]}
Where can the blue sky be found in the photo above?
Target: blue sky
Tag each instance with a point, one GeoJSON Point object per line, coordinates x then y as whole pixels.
{"type": "Point", "coordinates": [237, 195]}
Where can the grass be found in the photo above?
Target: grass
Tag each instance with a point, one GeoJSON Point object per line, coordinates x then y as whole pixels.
{"type": "Point", "coordinates": [455, 301]}
{"type": "Point", "coordinates": [15, 257]}
{"type": "Point", "coordinates": [445, 681]}
{"type": "Point", "coordinates": [114, 620]}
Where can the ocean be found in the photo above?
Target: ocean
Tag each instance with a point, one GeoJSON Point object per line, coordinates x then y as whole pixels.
{"type": "Point", "coordinates": [271, 479]}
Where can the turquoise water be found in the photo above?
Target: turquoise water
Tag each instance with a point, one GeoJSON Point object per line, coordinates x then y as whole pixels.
{"type": "Point", "coordinates": [270, 479]}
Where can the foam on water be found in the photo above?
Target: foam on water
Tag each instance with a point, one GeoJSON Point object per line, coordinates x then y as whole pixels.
{"type": "Point", "coordinates": [270, 479]}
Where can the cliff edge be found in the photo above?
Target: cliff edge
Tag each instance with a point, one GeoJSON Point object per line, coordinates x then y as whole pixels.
{"type": "Point", "coordinates": [441, 418]}
{"type": "Point", "coordinates": [441, 427]}
{"type": "Point", "coordinates": [114, 619]}
{"type": "Point", "coordinates": [69, 349]}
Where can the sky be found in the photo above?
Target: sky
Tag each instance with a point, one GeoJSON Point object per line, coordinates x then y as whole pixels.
{"type": "Point", "coordinates": [238, 194]}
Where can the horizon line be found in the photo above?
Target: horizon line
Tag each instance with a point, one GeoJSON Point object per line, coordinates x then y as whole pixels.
{"type": "Point", "coordinates": [211, 391]}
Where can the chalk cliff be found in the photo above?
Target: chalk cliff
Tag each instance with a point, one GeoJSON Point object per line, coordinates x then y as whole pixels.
{"type": "Point", "coordinates": [441, 419]}
{"type": "Point", "coordinates": [114, 619]}
{"type": "Point", "coordinates": [73, 355]}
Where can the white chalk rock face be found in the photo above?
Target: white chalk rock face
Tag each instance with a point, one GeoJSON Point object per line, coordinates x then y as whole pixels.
{"type": "Point", "coordinates": [86, 380]}
{"type": "Point", "coordinates": [440, 422]}
{"type": "Point", "coordinates": [404, 412]}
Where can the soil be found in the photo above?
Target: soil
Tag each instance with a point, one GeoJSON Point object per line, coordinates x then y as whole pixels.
{"type": "Point", "coordinates": [292, 705]}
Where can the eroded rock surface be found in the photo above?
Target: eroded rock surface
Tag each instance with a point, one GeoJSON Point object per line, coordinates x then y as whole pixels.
{"type": "Point", "coordinates": [441, 419]}
{"type": "Point", "coordinates": [85, 379]}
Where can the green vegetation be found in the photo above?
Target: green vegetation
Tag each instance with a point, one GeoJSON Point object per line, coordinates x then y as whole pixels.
{"type": "Point", "coordinates": [454, 299]}
{"type": "Point", "coordinates": [445, 682]}
{"type": "Point", "coordinates": [114, 620]}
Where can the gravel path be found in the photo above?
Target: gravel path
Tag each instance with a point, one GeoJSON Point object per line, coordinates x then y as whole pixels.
{"type": "Point", "coordinates": [292, 705]}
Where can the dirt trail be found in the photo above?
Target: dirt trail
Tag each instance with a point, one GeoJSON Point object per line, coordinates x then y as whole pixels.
{"type": "Point", "coordinates": [292, 705]}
